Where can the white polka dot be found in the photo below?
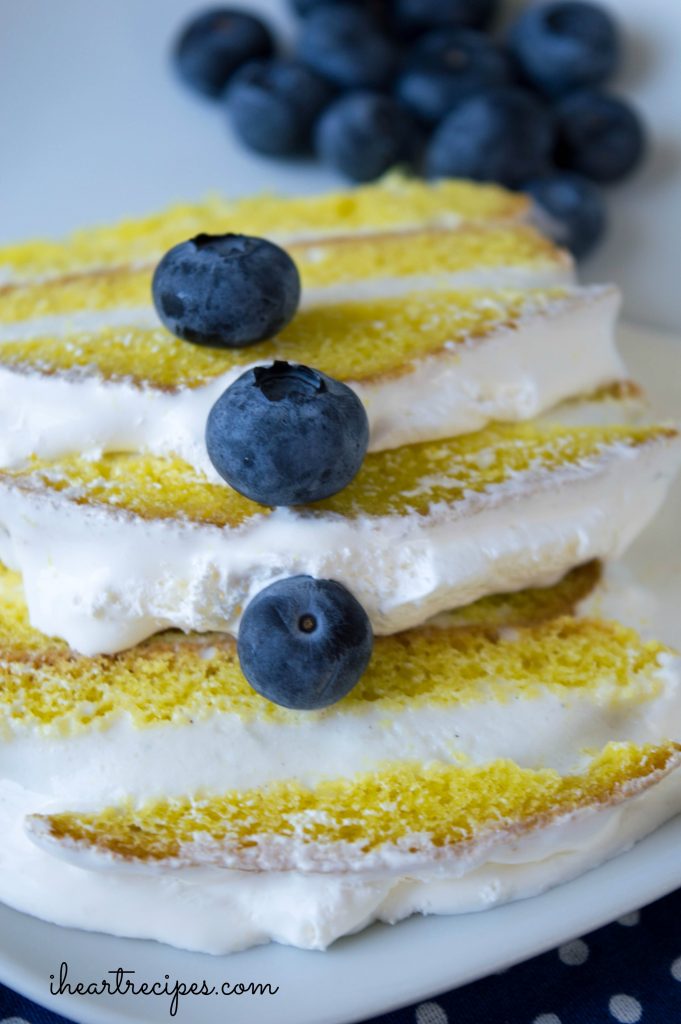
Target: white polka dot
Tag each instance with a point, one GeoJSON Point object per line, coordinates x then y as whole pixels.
{"type": "Point", "coordinates": [629, 920]}
{"type": "Point", "coordinates": [574, 953]}
{"type": "Point", "coordinates": [676, 969]}
{"type": "Point", "coordinates": [430, 1013]}
{"type": "Point", "coordinates": [625, 1009]}
{"type": "Point", "coordinates": [547, 1018]}
{"type": "Point", "coordinates": [13, 1020]}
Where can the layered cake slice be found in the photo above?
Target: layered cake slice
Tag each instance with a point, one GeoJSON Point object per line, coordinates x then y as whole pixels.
{"type": "Point", "coordinates": [428, 364]}
{"type": "Point", "coordinates": [114, 549]}
{"type": "Point", "coordinates": [153, 793]}
{"type": "Point", "coordinates": [276, 770]}
{"type": "Point", "coordinates": [364, 266]}
{"type": "Point", "coordinates": [395, 204]}
{"type": "Point", "coordinates": [440, 330]}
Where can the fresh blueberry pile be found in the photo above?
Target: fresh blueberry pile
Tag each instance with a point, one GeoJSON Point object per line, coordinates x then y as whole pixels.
{"type": "Point", "coordinates": [428, 85]}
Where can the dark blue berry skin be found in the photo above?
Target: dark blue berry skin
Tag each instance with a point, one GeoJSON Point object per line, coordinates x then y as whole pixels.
{"type": "Point", "coordinates": [304, 643]}
{"type": "Point", "coordinates": [343, 44]}
{"type": "Point", "coordinates": [305, 7]}
{"type": "Point", "coordinates": [273, 105]}
{"type": "Point", "coordinates": [504, 135]}
{"type": "Point", "coordinates": [287, 435]}
{"type": "Point", "coordinates": [363, 135]}
{"type": "Point", "coordinates": [226, 290]}
{"type": "Point", "coordinates": [446, 66]}
{"type": "Point", "coordinates": [215, 43]}
{"type": "Point", "coordinates": [412, 17]}
{"type": "Point", "coordinates": [565, 45]}
{"type": "Point", "coordinates": [599, 136]}
{"type": "Point", "coordinates": [575, 207]}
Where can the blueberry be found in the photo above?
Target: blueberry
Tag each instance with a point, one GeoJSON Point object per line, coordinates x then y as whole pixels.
{"type": "Point", "coordinates": [598, 135]}
{"type": "Point", "coordinates": [364, 134]}
{"type": "Point", "coordinates": [343, 44]}
{"type": "Point", "coordinates": [305, 7]}
{"type": "Point", "coordinates": [287, 435]}
{"type": "Point", "coordinates": [274, 104]}
{"type": "Point", "coordinates": [215, 43]}
{"type": "Point", "coordinates": [565, 45]}
{"type": "Point", "coordinates": [575, 209]}
{"type": "Point", "coordinates": [414, 16]}
{"type": "Point", "coordinates": [304, 643]}
{"type": "Point", "coordinates": [446, 66]}
{"type": "Point", "coordinates": [504, 135]}
{"type": "Point", "coordinates": [226, 290]}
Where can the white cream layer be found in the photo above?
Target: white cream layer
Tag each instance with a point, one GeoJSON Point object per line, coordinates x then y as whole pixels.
{"type": "Point", "coordinates": [104, 580]}
{"type": "Point", "coordinates": [223, 911]}
{"type": "Point", "coordinates": [511, 374]}
{"type": "Point", "coordinates": [97, 767]}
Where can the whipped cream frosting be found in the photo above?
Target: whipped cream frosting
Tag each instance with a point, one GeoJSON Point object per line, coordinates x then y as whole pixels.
{"type": "Point", "coordinates": [103, 579]}
{"type": "Point", "coordinates": [100, 766]}
{"type": "Point", "coordinates": [514, 373]}
{"type": "Point", "coordinates": [219, 912]}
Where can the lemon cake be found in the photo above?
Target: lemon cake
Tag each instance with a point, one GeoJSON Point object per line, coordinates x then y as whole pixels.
{"type": "Point", "coordinates": [361, 266]}
{"type": "Point", "coordinates": [512, 741]}
{"type": "Point", "coordinates": [429, 364]}
{"type": "Point", "coordinates": [394, 205]}
{"type": "Point", "coordinates": [438, 331]}
{"type": "Point", "coordinates": [114, 549]}
{"type": "Point", "coordinates": [152, 793]}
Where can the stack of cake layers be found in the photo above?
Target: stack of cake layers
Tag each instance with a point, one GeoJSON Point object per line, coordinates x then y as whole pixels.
{"type": "Point", "coordinates": [503, 738]}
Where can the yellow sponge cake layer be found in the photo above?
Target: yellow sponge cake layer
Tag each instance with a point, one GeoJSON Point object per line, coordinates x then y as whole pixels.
{"type": "Point", "coordinates": [114, 549]}
{"type": "Point", "coordinates": [513, 732]}
{"type": "Point", "coordinates": [395, 204]}
{"type": "Point", "coordinates": [418, 478]}
{"type": "Point", "coordinates": [401, 316]}
{"type": "Point", "coordinates": [476, 249]}
{"type": "Point", "coordinates": [427, 364]}
{"type": "Point", "coordinates": [171, 679]}
{"type": "Point", "coordinates": [403, 814]}
{"type": "Point", "coordinates": [412, 479]}
{"type": "Point", "coordinates": [353, 341]}
{"type": "Point", "coordinates": [482, 256]}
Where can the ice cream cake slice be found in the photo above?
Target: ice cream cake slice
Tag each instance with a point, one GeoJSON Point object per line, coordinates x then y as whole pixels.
{"type": "Point", "coordinates": [114, 549]}
{"type": "Point", "coordinates": [486, 757]}
{"type": "Point", "coordinates": [428, 364]}
{"type": "Point", "coordinates": [395, 204]}
{"type": "Point", "coordinates": [364, 266]}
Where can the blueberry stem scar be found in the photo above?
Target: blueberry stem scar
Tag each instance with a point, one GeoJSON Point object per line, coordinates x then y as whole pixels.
{"type": "Point", "coordinates": [281, 379]}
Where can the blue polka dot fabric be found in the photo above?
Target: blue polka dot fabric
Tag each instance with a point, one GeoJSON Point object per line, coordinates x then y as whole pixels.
{"type": "Point", "coordinates": [627, 972]}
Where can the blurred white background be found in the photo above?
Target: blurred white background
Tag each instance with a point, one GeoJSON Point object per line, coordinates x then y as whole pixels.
{"type": "Point", "coordinates": [94, 126]}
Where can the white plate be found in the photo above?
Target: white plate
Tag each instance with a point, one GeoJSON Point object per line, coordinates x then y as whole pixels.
{"type": "Point", "coordinates": [383, 967]}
